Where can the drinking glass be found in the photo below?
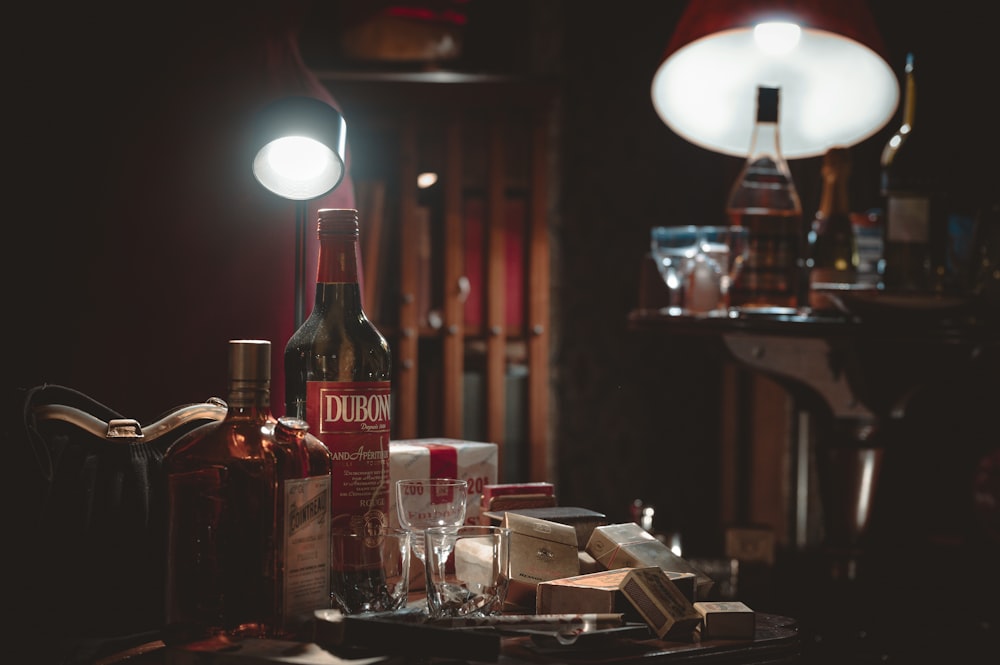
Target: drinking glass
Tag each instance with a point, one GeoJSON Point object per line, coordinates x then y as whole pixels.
{"type": "Point", "coordinates": [699, 264]}
{"type": "Point", "coordinates": [422, 503]}
{"type": "Point", "coordinates": [370, 572]}
{"type": "Point", "coordinates": [468, 570]}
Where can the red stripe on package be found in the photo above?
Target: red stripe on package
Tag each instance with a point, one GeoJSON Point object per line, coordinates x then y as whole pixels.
{"type": "Point", "coordinates": [444, 461]}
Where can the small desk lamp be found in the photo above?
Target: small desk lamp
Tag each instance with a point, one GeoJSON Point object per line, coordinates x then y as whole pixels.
{"type": "Point", "coordinates": [299, 154]}
{"type": "Point", "coordinates": [825, 55]}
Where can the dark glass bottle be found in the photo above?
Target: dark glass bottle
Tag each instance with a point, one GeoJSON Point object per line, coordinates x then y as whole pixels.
{"type": "Point", "coordinates": [337, 378]}
{"type": "Point", "coordinates": [911, 187]}
{"type": "Point", "coordinates": [833, 250]}
{"type": "Point", "coordinates": [764, 199]}
{"type": "Point", "coordinates": [248, 538]}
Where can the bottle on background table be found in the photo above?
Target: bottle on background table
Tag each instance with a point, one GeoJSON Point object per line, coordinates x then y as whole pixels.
{"type": "Point", "coordinates": [832, 249]}
{"type": "Point", "coordinates": [765, 200]}
{"type": "Point", "coordinates": [911, 185]}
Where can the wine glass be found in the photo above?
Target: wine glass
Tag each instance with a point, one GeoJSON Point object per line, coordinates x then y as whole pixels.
{"type": "Point", "coordinates": [699, 264]}
{"type": "Point", "coordinates": [425, 502]}
{"type": "Point", "coordinates": [674, 249]}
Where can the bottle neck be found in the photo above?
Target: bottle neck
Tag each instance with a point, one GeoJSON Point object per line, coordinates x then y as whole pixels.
{"type": "Point", "coordinates": [906, 124]}
{"type": "Point", "coordinates": [249, 399]}
{"type": "Point", "coordinates": [765, 142]}
{"type": "Point", "coordinates": [337, 284]}
{"type": "Point", "coordinates": [909, 98]}
{"type": "Point", "coordinates": [249, 378]}
{"type": "Point", "coordinates": [835, 198]}
{"type": "Point", "coordinates": [339, 259]}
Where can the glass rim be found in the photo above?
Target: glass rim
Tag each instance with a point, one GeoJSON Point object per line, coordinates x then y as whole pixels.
{"type": "Point", "coordinates": [481, 529]}
{"type": "Point", "coordinates": [391, 532]}
{"type": "Point", "coordinates": [442, 482]}
{"type": "Point", "coordinates": [695, 228]}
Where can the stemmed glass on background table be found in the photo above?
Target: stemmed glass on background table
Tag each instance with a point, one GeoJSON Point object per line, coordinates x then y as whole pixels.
{"type": "Point", "coordinates": [699, 264]}
{"type": "Point", "coordinates": [422, 503]}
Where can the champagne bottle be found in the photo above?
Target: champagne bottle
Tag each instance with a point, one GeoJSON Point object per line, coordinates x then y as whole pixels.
{"type": "Point", "coordinates": [833, 250]}
{"type": "Point", "coordinates": [764, 199]}
{"type": "Point", "coordinates": [337, 378]}
{"type": "Point", "coordinates": [248, 501]}
{"type": "Point", "coordinates": [913, 201]}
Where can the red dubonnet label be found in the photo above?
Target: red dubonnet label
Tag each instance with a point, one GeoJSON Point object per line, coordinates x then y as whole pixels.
{"type": "Point", "coordinates": [353, 420]}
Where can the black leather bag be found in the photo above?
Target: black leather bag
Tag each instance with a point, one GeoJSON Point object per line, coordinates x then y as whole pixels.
{"type": "Point", "coordinates": [93, 505]}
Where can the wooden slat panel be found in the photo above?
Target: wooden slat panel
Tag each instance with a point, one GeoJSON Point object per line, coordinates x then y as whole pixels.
{"type": "Point", "coordinates": [496, 340]}
{"type": "Point", "coordinates": [769, 474]}
{"type": "Point", "coordinates": [454, 268]}
{"type": "Point", "coordinates": [731, 428]}
{"type": "Point", "coordinates": [371, 213]}
{"type": "Point", "coordinates": [538, 277]}
{"type": "Point", "coordinates": [495, 162]}
{"type": "Point", "coordinates": [407, 343]}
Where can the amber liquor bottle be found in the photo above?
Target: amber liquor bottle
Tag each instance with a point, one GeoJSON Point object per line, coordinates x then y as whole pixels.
{"type": "Point", "coordinates": [337, 379]}
{"type": "Point", "coordinates": [764, 199]}
{"type": "Point", "coordinates": [248, 538]}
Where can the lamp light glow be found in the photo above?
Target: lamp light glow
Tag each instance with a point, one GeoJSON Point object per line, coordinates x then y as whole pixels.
{"type": "Point", "coordinates": [836, 88]}
{"type": "Point", "coordinates": [297, 168]}
{"type": "Point", "coordinates": [777, 38]}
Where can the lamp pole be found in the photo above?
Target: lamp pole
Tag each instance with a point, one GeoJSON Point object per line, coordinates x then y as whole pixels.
{"type": "Point", "coordinates": [301, 212]}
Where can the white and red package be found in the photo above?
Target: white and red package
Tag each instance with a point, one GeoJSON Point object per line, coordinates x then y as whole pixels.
{"type": "Point", "coordinates": [476, 462]}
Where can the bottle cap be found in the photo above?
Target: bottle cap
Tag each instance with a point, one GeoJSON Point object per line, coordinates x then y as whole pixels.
{"type": "Point", "coordinates": [290, 429]}
{"type": "Point", "coordinates": [767, 104]}
{"type": "Point", "coordinates": [249, 360]}
{"type": "Point", "coordinates": [340, 221]}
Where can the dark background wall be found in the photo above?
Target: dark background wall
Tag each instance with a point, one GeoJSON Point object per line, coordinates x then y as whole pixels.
{"type": "Point", "coordinates": [118, 283]}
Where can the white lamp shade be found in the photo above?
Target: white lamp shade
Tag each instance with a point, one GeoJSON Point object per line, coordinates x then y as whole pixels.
{"type": "Point", "coordinates": [300, 148]}
{"type": "Point", "coordinates": [835, 91]}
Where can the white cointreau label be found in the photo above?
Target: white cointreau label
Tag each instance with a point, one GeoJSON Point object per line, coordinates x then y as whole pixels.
{"type": "Point", "coordinates": [352, 419]}
{"type": "Point", "coordinates": [307, 546]}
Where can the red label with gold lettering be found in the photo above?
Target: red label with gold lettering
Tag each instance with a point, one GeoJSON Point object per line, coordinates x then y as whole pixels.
{"type": "Point", "coordinates": [352, 419]}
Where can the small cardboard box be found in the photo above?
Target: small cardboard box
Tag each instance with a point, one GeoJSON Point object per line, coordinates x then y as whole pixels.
{"type": "Point", "coordinates": [473, 461]}
{"type": "Point", "coordinates": [490, 492]}
{"type": "Point", "coordinates": [647, 594]}
{"type": "Point", "coordinates": [501, 504]}
{"type": "Point", "coordinates": [666, 611]}
{"type": "Point", "coordinates": [729, 620]}
{"type": "Point", "coordinates": [582, 519]}
{"type": "Point", "coordinates": [628, 545]}
{"type": "Point", "coordinates": [595, 592]}
{"type": "Point", "coordinates": [581, 594]}
{"type": "Point", "coordinates": [539, 551]}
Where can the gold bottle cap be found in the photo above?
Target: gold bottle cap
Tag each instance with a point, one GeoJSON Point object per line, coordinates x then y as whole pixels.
{"type": "Point", "coordinates": [249, 360]}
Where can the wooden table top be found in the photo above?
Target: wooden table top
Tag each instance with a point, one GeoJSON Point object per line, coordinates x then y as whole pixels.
{"type": "Point", "coordinates": [776, 641]}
